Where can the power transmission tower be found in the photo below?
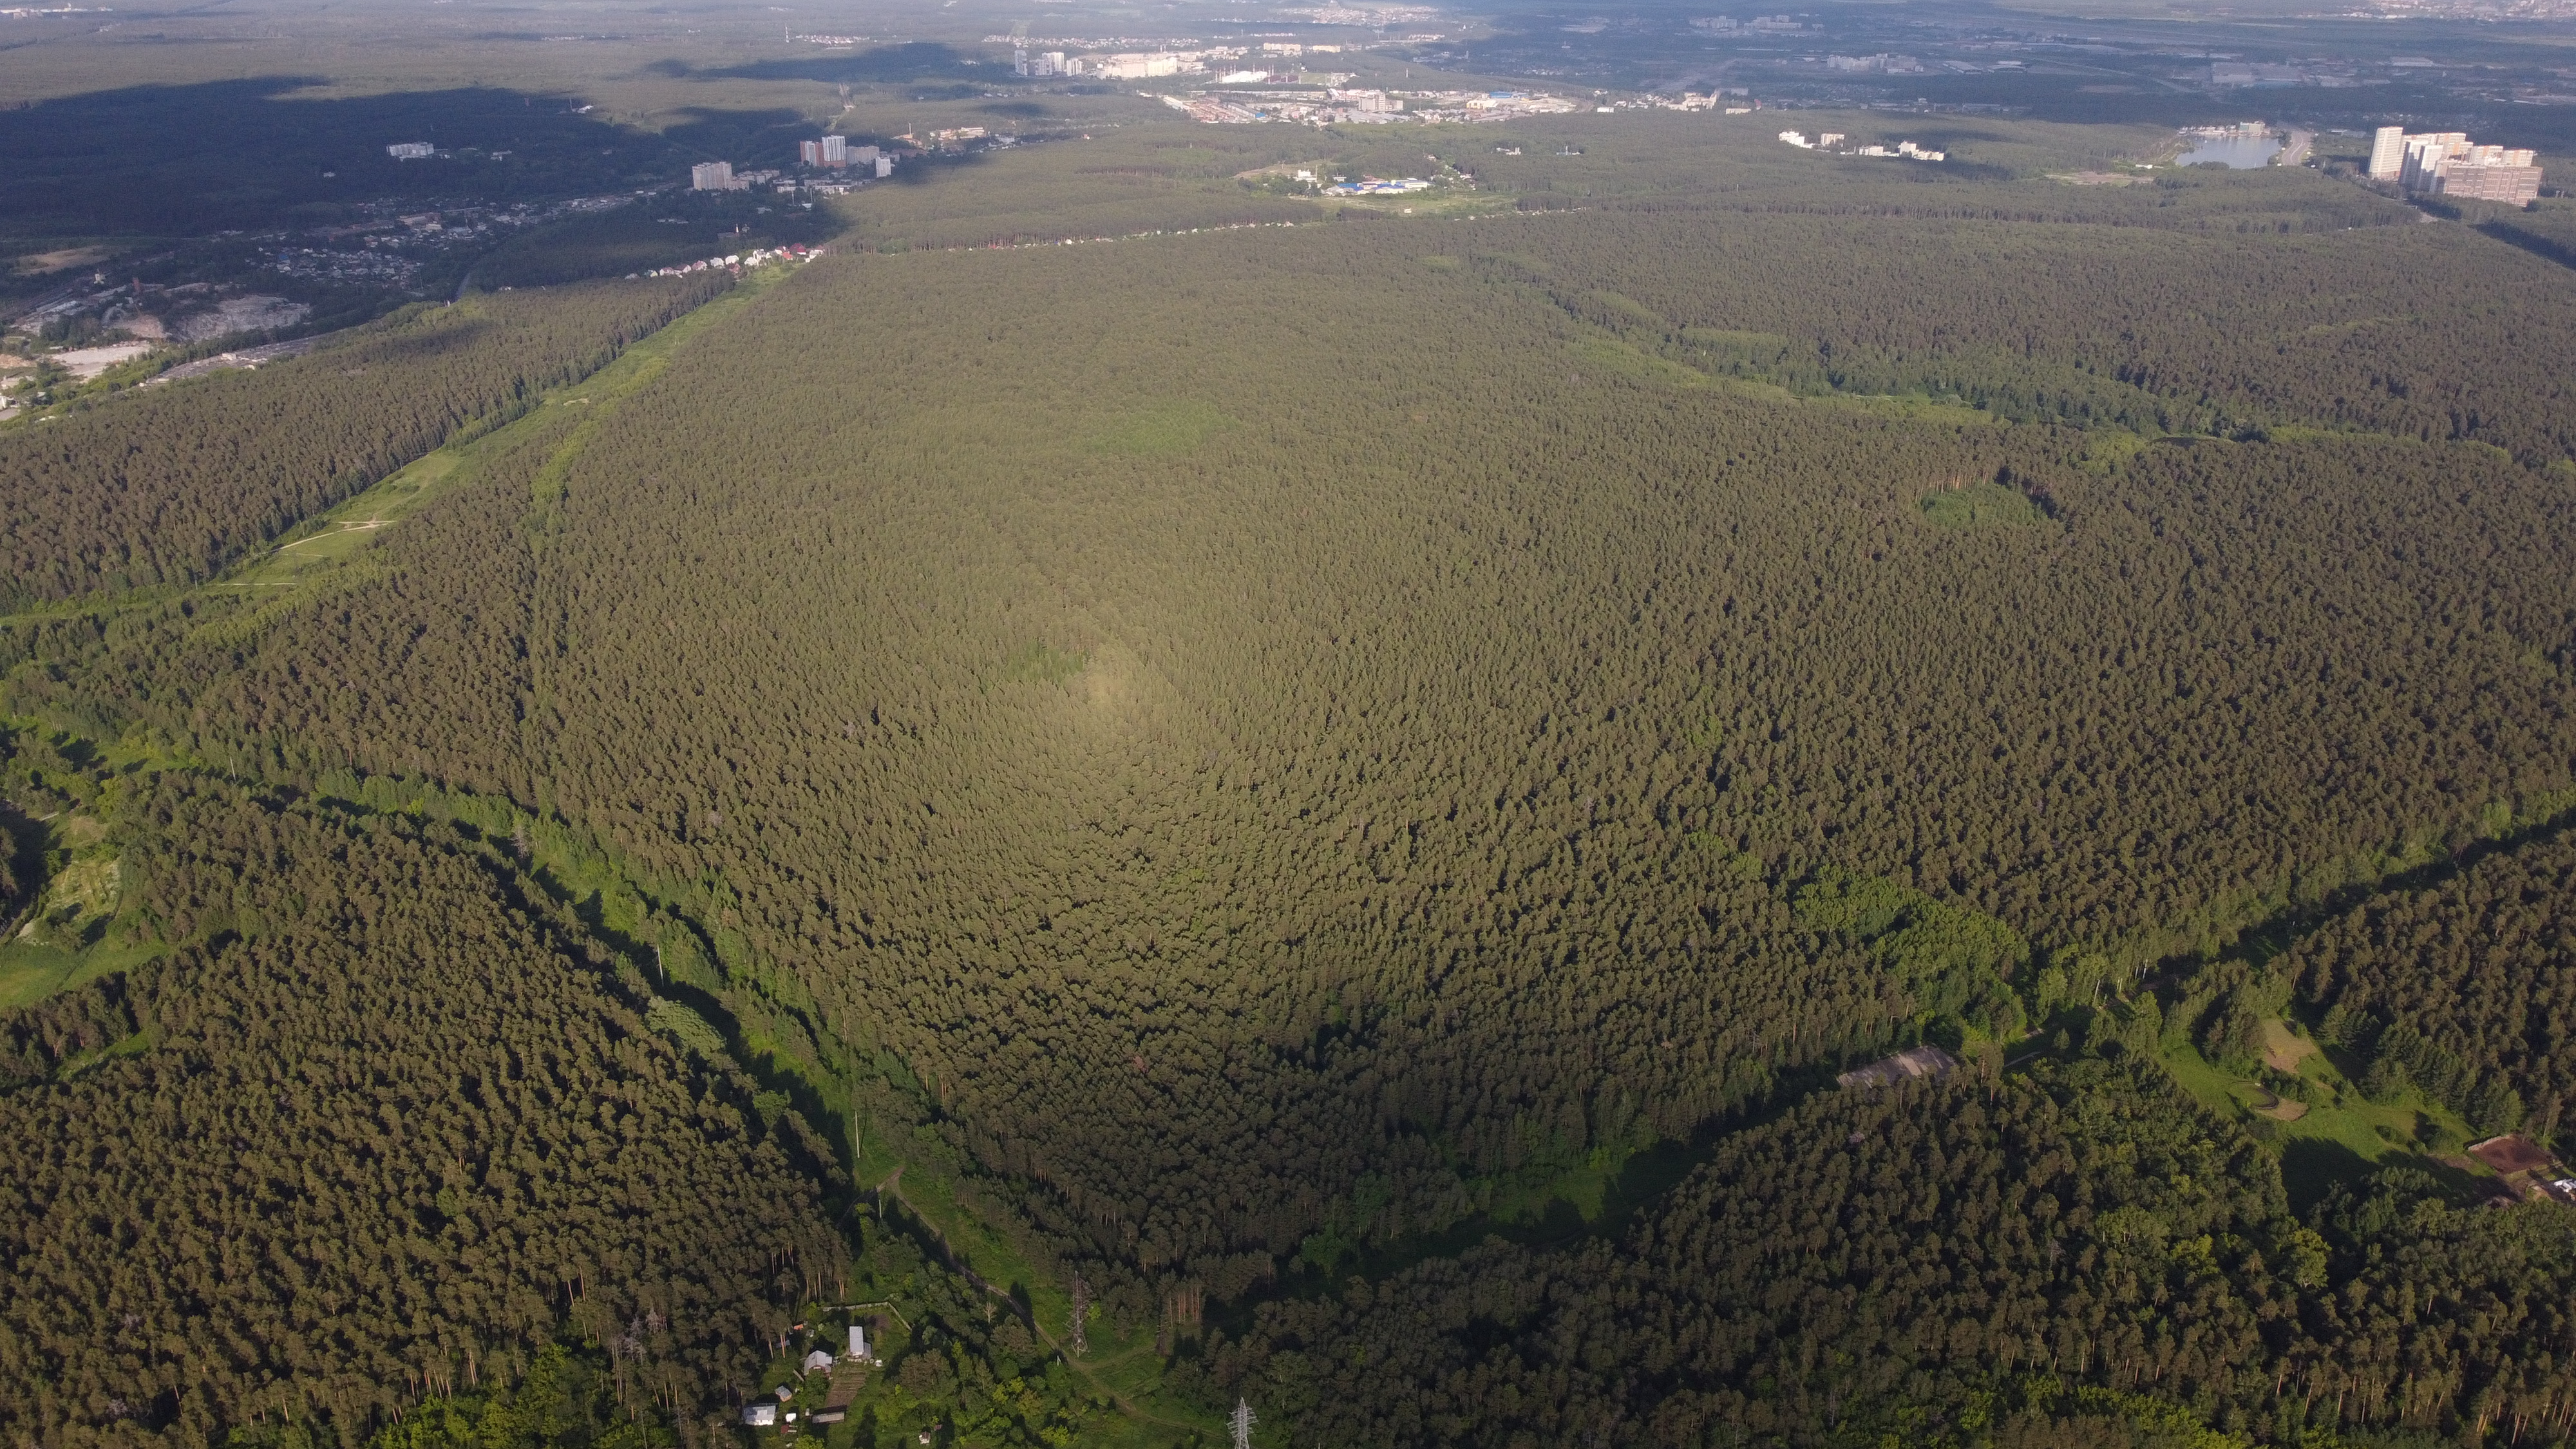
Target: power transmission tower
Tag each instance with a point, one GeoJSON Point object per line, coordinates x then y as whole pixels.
{"type": "Point", "coordinates": [1241, 1423]}
{"type": "Point", "coordinates": [1081, 1311]}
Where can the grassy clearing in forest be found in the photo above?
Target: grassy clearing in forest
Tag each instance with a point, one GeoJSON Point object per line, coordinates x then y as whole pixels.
{"type": "Point", "coordinates": [2339, 1135]}
{"type": "Point", "coordinates": [31, 970]}
{"type": "Point", "coordinates": [1980, 505]}
{"type": "Point", "coordinates": [74, 934]}
{"type": "Point", "coordinates": [346, 532]}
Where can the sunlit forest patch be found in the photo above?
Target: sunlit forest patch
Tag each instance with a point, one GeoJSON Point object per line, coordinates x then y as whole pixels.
{"type": "Point", "coordinates": [1983, 504]}
{"type": "Point", "coordinates": [1610, 355]}
{"type": "Point", "coordinates": [1162, 430]}
{"type": "Point", "coordinates": [1038, 662]}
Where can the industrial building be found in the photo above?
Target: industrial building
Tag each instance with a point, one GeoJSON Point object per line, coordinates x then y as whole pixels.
{"type": "Point", "coordinates": [2446, 163]}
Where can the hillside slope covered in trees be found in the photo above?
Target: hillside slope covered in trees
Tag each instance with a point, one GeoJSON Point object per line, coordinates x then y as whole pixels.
{"type": "Point", "coordinates": [171, 484]}
{"type": "Point", "coordinates": [2063, 1257]}
{"type": "Point", "coordinates": [374, 1129]}
{"type": "Point", "coordinates": [2464, 986]}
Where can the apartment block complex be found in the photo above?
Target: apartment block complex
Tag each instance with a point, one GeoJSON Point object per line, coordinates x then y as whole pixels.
{"type": "Point", "coordinates": [716, 176]}
{"type": "Point", "coordinates": [2447, 163]}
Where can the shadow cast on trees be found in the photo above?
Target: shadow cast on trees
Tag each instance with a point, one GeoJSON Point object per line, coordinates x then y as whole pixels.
{"type": "Point", "coordinates": [256, 153]}
{"type": "Point", "coordinates": [916, 61]}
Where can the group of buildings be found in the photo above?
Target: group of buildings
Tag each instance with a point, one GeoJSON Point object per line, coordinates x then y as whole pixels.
{"type": "Point", "coordinates": [386, 246]}
{"type": "Point", "coordinates": [1142, 64]}
{"type": "Point", "coordinates": [1876, 64]}
{"type": "Point", "coordinates": [837, 152]}
{"type": "Point", "coordinates": [1759, 24]}
{"type": "Point", "coordinates": [1331, 105]}
{"type": "Point", "coordinates": [1835, 143]}
{"type": "Point", "coordinates": [1373, 186]}
{"type": "Point", "coordinates": [2446, 163]}
{"type": "Point", "coordinates": [830, 153]}
{"type": "Point", "coordinates": [735, 261]}
{"type": "Point", "coordinates": [771, 1413]}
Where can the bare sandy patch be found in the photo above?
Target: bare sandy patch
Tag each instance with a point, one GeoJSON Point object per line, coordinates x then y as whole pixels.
{"type": "Point", "coordinates": [36, 264]}
{"type": "Point", "coordinates": [2284, 1049]}
{"type": "Point", "coordinates": [88, 362]}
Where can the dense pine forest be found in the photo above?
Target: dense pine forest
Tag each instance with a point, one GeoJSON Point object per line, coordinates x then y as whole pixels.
{"type": "Point", "coordinates": [171, 484]}
{"type": "Point", "coordinates": [370, 1130]}
{"type": "Point", "coordinates": [1308, 814]}
{"type": "Point", "coordinates": [2066, 1256]}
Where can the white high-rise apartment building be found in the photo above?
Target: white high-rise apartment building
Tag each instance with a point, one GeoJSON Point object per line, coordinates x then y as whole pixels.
{"type": "Point", "coordinates": [2488, 173]}
{"type": "Point", "coordinates": [2387, 152]}
{"type": "Point", "coordinates": [2447, 163]}
{"type": "Point", "coordinates": [2425, 155]}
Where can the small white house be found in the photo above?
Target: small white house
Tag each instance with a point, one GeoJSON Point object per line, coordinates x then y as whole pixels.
{"type": "Point", "coordinates": [759, 1416]}
{"type": "Point", "coordinates": [859, 1342]}
{"type": "Point", "coordinates": [819, 1361]}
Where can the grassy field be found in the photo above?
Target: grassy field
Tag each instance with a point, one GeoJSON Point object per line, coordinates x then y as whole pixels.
{"type": "Point", "coordinates": [80, 931]}
{"type": "Point", "coordinates": [2336, 1137]}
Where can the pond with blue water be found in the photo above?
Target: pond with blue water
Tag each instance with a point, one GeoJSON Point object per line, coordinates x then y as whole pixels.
{"type": "Point", "coordinates": [2240, 151]}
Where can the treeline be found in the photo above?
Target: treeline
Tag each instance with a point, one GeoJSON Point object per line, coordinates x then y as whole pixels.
{"type": "Point", "coordinates": [1441, 710]}
{"type": "Point", "coordinates": [1721, 169]}
{"type": "Point", "coordinates": [385, 1123]}
{"type": "Point", "coordinates": [2465, 989]}
{"type": "Point", "coordinates": [1139, 178]}
{"type": "Point", "coordinates": [1112, 183]}
{"type": "Point", "coordinates": [172, 484]}
{"type": "Point", "coordinates": [2427, 332]}
{"type": "Point", "coordinates": [953, 1360]}
{"type": "Point", "coordinates": [637, 238]}
{"type": "Point", "coordinates": [2079, 1255]}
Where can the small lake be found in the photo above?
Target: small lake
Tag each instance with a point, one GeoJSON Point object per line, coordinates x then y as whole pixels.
{"type": "Point", "coordinates": [2244, 153]}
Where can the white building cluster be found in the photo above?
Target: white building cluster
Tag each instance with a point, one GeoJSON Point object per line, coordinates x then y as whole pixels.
{"type": "Point", "coordinates": [1332, 106]}
{"type": "Point", "coordinates": [2446, 163]}
{"type": "Point", "coordinates": [759, 257]}
{"type": "Point", "coordinates": [1175, 58]}
{"type": "Point", "coordinates": [1118, 65]}
{"type": "Point", "coordinates": [1760, 24]}
{"type": "Point", "coordinates": [1875, 64]}
{"type": "Point", "coordinates": [1836, 144]}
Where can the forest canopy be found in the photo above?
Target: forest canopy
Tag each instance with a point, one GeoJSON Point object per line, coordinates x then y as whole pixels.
{"type": "Point", "coordinates": [1329, 815]}
{"type": "Point", "coordinates": [172, 484]}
